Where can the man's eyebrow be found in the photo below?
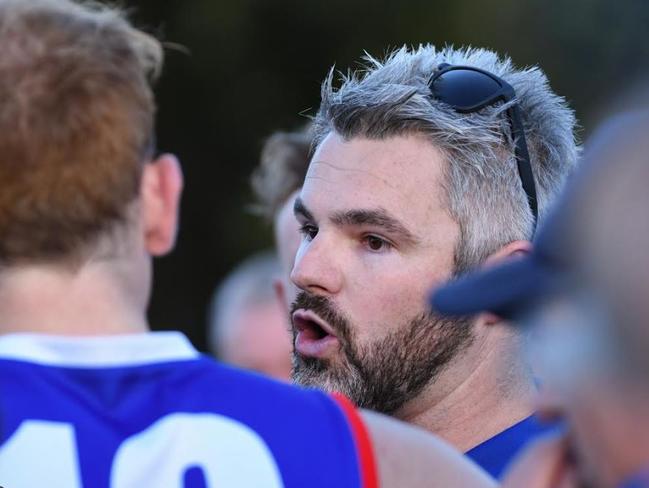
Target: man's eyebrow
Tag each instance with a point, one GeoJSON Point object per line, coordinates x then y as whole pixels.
{"type": "Point", "coordinates": [375, 217]}
{"type": "Point", "coordinates": [300, 210]}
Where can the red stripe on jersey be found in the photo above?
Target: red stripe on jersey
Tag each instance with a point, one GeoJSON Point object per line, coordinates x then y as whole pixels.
{"type": "Point", "coordinates": [369, 477]}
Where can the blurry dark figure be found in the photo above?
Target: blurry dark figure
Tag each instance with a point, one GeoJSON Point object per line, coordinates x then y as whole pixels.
{"type": "Point", "coordinates": [583, 298]}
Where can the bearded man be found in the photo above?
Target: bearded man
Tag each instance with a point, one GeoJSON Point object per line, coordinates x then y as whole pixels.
{"type": "Point", "coordinates": [426, 165]}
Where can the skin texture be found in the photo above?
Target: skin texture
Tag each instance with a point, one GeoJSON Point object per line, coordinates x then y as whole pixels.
{"type": "Point", "coordinates": [378, 272]}
{"type": "Point", "coordinates": [258, 340]}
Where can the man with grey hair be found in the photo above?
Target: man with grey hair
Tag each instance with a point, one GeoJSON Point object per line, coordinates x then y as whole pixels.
{"type": "Point", "coordinates": [426, 164]}
{"type": "Point", "coordinates": [247, 325]}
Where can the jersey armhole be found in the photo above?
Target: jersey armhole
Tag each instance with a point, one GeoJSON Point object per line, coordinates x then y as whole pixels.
{"type": "Point", "coordinates": [367, 461]}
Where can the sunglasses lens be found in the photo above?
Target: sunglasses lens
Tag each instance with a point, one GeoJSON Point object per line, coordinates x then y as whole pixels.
{"type": "Point", "coordinates": [464, 89]}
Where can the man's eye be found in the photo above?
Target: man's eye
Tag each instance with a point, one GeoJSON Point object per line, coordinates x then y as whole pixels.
{"type": "Point", "coordinates": [375, 243]}
{"type": "Point", "coordinates": [309, 231]}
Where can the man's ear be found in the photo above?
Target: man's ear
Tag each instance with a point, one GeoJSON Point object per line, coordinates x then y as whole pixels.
{"type": "Point", "coordinates": [513, 250]}
{"type": "Point", "coordinates": [160, 190]}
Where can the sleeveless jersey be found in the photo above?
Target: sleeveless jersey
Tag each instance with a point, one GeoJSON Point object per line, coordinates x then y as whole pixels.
{"type": "Point", "coordinates": [148, 410]}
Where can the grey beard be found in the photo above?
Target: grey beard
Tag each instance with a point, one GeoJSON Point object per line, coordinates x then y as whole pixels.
{"type": "Point", "coordinates": [389, 372]}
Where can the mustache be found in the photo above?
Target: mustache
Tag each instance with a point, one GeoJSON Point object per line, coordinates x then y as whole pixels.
{"type": "Point", "coordinates": [325, 309]}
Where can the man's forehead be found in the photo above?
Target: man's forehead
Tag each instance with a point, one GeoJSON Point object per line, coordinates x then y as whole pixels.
{"type": "Point", "coordinates": [391, 172]}
{"type": "Point", "coordinates": [409, 152]}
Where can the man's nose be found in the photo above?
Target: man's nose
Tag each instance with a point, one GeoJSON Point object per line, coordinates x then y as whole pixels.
{"type": "Point", "coordinates": [316, 267]}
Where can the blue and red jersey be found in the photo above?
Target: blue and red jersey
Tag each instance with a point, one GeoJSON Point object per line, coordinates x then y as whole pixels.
{"type": "Point", "coordinates": [495, 454]}
{"type": "Point", "coordinates": [148, 410]}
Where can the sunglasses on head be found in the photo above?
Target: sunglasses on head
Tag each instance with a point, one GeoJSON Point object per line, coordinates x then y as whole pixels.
{"type": "Point", "coordinates": [466, 90]}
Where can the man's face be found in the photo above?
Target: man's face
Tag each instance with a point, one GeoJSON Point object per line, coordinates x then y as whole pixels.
{"type": "Point", "coordinates": [376, 238]}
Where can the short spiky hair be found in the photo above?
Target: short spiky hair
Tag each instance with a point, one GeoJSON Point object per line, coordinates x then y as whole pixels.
{"type": "Point", "coordinates": [392, 98]}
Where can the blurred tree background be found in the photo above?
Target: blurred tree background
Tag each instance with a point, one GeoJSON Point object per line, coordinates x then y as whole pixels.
{"type": "Point", "coordinates": [254, 66]}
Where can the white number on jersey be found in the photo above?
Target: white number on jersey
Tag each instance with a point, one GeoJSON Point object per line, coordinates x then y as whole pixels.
{"type": "Point", "coordinates": [229, 453]}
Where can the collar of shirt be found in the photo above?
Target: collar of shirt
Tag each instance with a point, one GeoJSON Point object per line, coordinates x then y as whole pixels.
{"type": "Point", "coordinates": [495, 454]}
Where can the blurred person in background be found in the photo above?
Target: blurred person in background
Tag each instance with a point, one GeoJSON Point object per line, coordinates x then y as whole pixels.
{"type": "Point", "coordinates": [90, 397]}
{"type": "Point", "coordinates": [248, 316]}
{"type": "Point", "coordinates": [426, 164]}
{"type": "Point", "coordinates": [276, 182]}
{"type": "Point", "coordinates": [582, 296]}
{"type": "Point", "coordinates": [247, 324]}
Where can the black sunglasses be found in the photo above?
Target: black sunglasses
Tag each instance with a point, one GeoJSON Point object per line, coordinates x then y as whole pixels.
{"type": "Point", "coordinates": [467, 90]}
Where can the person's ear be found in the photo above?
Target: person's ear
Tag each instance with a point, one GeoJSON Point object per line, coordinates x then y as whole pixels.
{"type": "Point", "coordinates": [513, 250]}
{"type": "Point", "coordinates": [161, 187]}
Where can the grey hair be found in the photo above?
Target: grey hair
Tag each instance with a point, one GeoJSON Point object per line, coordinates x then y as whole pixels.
{"type": "Point", "coordinates": [483, 194]}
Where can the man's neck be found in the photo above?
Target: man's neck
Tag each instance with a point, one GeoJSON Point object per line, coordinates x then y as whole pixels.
{"type": "Point", "coordinates": [49, 300]}
{"type": "Point", "coordinates": [470, 403]}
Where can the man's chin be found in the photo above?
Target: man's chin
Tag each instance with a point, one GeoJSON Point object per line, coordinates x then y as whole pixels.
{"type": "Point", "coordinates": [310, 372]}
{"type": "Point", "coordinates": [321, 374]}
{"type": "Point", "coordinates": [316, 382]}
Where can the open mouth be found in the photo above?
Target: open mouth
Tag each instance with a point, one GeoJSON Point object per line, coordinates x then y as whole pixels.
{"type": "Point", "coordinates": [314, 337]}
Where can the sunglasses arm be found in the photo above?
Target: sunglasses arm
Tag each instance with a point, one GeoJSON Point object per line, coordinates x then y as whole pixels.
{"type": "Point", "coordinates": [523, 160]}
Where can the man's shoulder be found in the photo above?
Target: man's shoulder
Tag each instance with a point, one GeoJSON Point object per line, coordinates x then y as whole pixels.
{"type": "Point", "coordinates": [229, 382]}
{"type": "Point", "coordinates": [109, 370]}
{"type": "Point", "coordinates": [170, 409]}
